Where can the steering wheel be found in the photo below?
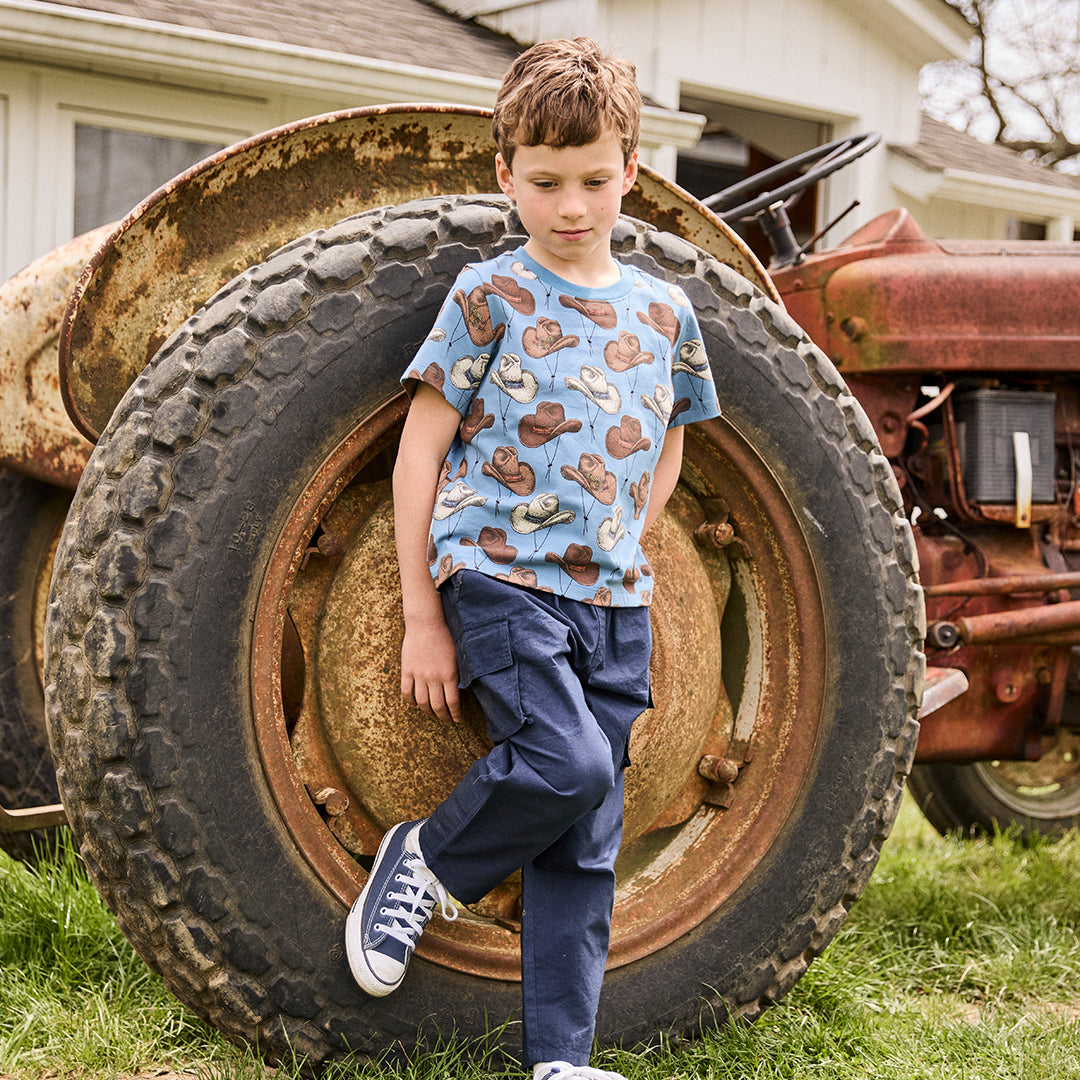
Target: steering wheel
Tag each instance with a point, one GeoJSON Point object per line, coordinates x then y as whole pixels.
{"type": "Point", "coordinates": [820, 162]}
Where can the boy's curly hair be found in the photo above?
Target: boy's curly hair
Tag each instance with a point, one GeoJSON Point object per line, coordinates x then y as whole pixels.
{"type": "Point", "coordinates": [566, 93]}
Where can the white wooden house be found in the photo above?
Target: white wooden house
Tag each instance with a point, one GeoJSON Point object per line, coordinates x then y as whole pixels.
{"type": "Point", "coordinates": [102, 100]}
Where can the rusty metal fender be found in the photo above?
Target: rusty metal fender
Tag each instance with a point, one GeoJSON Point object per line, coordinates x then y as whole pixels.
{"type": "Point", "coordinates": [182, 243]}
{"type": "Point", "coordinates": [36, 436]}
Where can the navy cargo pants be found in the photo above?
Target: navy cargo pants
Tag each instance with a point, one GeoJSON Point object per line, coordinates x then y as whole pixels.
{"type": "Point", "coordinates": [560, 683]}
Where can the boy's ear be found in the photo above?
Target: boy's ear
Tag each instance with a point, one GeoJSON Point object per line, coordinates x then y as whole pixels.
{"type": "Point", "coordinates": [630, 173]}
{"type": "Point", "coordinates": [504, 176]}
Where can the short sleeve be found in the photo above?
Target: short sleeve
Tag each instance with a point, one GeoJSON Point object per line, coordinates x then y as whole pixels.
{"type": "Point", "coordinates": [693, 391]}
{"type": "Point", "coordinates": [456, 353]}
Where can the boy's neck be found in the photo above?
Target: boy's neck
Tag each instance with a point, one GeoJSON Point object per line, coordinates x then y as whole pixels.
{"type": "Point", "coordinates": [596, 273]}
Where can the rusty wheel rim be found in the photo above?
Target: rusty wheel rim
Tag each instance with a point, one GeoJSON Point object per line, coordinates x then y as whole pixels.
{"type": "Point", "coordinates": [345, 759]}
{"type": "Point", "coordinates": [1046, 789]}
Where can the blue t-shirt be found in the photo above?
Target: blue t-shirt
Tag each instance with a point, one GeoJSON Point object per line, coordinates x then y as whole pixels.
{"type": "Point", "coordinates": [565, 395]}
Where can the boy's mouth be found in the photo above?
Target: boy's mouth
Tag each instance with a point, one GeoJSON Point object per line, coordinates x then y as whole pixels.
{"type": "Point", "coordinates": [572, 234]}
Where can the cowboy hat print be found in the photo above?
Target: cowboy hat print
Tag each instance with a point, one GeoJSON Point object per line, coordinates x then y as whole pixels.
{"type": "Point", "coordinates": [611, 530]}
{"type": "Point", "coordinates": [660, 404]}
{"type": "Point", "coordinates": [474, 310]}
{"type": "Point", "coordinates": [520, 299]}
{"type": "Point", "coordinates": [541, 513]}
{"type": "Point", "coordinates": [447, 569]}
{"type": "Point", "coordinates": [598, 311]}
{"type": "Point", "coordinates": [492, 542]}
{"type": "Point", "coordinates": [547, 423]}
{"type": "Point", "coordinates": [476, 421]}
{"type": "Point", "coordinates": [547, 337]}
{"type": "Point", "coordinates": [467, 372]}
{"type": "Point", "coordinates": [626, 439]}
{"type": "Point", "coordinates": [626, 352]}
{"type": "Point", "coordinates": [577, 563]}
{"type": "Point", "coordinates": [455, 499]}
{"type": "Point", "coordinates": [593, 476]}
{"type": "Point", "coordinates": [662, 318]}
{"type": "Point", "coordinates": [505, 467]}
{"type": "Point", "coordinates": [594, 385]}
{"type": "Point", "coordinates": [677, 294]}
{"type": "Point", "coordinates": [692, 360]}
{"type": "Point", "coordinates": [639, 492]}
{"type": "Point", "coordinates": [514, 380]}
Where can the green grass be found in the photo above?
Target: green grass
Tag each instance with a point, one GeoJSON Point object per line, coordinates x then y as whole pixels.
{"type": "Point", "coordinates": [960, 962]}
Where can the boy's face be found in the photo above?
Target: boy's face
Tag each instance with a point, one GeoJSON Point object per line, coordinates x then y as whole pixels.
{"type": "Point", "coordinates": [568, 199]}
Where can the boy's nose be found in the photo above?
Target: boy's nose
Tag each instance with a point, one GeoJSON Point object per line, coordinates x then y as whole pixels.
{"type": "Point", "coordinates": [572, 205]}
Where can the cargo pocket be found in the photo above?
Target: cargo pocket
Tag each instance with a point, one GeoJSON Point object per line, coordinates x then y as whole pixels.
{"type": "Point", "coordinates": [486, 665]}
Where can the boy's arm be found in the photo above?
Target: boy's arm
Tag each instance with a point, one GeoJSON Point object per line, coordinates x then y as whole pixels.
{"type": "Point", "coordinates": [429, 674]}
{"type": "Point", "coordinates": [666, 475]}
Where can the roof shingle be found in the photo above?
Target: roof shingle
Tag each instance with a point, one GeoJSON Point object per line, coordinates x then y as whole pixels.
{"type": "Point", "coordinates": [942, 147]}
{"type": "Point", "coordinates": [398, 31]}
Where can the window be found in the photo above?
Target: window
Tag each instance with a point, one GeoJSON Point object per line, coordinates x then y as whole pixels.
{"type": "Point", "coordinates": [115, 170]}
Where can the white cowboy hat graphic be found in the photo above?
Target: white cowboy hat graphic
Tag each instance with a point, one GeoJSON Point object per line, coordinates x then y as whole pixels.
{"type": "Point", "coordinates": [594, 385]}
{"type": "Point", "coordinates": [455, 499]}
{"type": "Point", "coordinates": [512, 379]}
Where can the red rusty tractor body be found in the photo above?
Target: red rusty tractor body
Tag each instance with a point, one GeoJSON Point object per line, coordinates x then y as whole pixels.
{"type": "Point", "coordinates": [966, 356]}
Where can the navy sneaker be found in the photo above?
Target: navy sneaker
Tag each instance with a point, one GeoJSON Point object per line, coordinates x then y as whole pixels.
{"type": "Point", "coordinates": [563, 1070]}
{"type": "Point", "coordinates": [389, 916]}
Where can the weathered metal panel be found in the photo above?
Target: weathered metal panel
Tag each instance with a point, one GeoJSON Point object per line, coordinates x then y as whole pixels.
{"type": "Point", "coordinates": [229, 212]}
{"type": "Point", "coordinates": [36, 436]}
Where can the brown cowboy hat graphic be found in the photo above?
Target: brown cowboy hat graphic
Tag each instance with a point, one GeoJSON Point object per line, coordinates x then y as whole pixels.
{"type": "Point", "coordinates": [492, 542]}
{"type": "Point", "coordinates": [520, 575]}
{"type": "Point", "coordinates": [447, 569]}
{"type": "Point", "coordinates": [433, 375]}
{"type": "Point", "coordinates": [662, 318]}
{"type": "Point", "coordinates": [625, 353]}
{"type": "Point", "coordinates": [626, 439]}
{"type": "Point", "coordinates": [639, 492]}
{"type": "Point", "coordinates": [547, 337]}
{"type": "Point", "coordinates": [520, 299]}
{"type": "Point", "coordinates": [592, 475]}
{"type": "Point", "coordinates": [505, 467]}
{"type": "Point", "coordinates": [598, 311]}
{"type": "Point", "coordinates": [577, 562]}
{"type": "Point", "coordinates": [547, 423]}
{"type": "Point", "coordinates": [476, 421]}
{"type": "Point", "coordinates": [477, 317]}
{"type": "Point", "coordinates": [594, 385]}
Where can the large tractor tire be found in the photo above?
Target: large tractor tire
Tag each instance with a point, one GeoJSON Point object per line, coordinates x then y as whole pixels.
{"type": "Point", "coordinates": [31, 515]}
{"type": "Point", "coordinates": [222, 662]}
{"type": "Point", "coordinates": [1039, 798]}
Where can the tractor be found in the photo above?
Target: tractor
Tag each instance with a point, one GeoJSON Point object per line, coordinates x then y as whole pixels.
{"type": "Point", "coordinates": [200, 412]}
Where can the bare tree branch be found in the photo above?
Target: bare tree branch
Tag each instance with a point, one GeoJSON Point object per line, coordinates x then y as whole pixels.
{"type": "Point", "coordinates": [1020, 85]}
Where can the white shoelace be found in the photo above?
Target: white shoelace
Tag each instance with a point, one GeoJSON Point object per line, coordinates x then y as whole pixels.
{"type": "Point", "coordinates": [416, 903]}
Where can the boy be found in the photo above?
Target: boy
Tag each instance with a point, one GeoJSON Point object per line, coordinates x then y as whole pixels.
{"type": "Point", "coordinates": [543, 439]}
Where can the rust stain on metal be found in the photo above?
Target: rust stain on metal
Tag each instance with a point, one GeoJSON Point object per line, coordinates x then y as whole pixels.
{"type": "Point", "coordinates": [174, 250]}
{"type": "Point", "coordinates": [377, 761]}
{"type": "Point", "coordinates": [36, 435]}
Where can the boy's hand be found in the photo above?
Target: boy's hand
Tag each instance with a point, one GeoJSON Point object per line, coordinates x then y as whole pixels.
{"type": "Point", "coordinates": [429, 672]}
